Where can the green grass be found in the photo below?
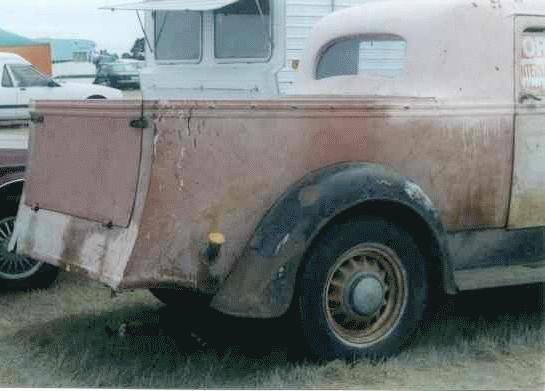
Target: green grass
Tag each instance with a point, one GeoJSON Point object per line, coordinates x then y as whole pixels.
{"type": "Point", "coordinates": [493, 339]}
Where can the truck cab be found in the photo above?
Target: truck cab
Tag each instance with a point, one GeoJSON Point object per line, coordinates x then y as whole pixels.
{"type": "Point", "coordinates": [226, 49]}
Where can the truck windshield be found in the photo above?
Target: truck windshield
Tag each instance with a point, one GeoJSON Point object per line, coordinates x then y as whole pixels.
{"type": "Point", "coordinates": [243, 30]}
{"type": "Point", "coordinates": [28, 76]}
{"type": "Point", "coordinates": [178, 35]}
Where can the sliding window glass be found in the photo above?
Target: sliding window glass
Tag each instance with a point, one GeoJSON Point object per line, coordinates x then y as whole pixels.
{"type": "Point", "coordinates": [178, 36]}
{"type": "Point", "coordinates": [243, 31]}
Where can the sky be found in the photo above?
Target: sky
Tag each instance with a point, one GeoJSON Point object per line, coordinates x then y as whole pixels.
{"type": "Point", "coordinates": [114, 31]}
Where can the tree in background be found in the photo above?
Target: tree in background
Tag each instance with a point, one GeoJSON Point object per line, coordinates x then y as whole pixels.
{"type": "Point", "coordinates": [138, 51]}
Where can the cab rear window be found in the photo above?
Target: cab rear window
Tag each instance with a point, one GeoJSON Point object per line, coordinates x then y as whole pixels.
{"type": "Point", "coordinates": [377, 55]}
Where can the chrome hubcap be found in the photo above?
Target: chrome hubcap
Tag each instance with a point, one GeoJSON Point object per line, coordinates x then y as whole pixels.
{"type": "Point", "coordinates": [13, 266]}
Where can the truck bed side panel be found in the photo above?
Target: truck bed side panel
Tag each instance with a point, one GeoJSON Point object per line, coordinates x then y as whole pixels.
{"type": "Point", "coordinates": [220, 167]}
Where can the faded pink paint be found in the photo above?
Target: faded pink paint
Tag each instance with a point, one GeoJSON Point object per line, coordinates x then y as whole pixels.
{"type": "Point", "coordinates": [85, 162]}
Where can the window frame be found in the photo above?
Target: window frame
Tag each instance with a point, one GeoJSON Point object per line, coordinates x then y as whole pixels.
{"type": "Point", "coordinates": [17, 82]}
{"type": "Point", "coordinates": [250, 60]}
{"type": "Point", "coordinates": [174, 61]}
{"type": "Point", "coordinates": [360, 37]}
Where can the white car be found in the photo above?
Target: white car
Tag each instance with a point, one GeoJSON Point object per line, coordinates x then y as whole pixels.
{"type": "Point", "coordinates": [21, 82]}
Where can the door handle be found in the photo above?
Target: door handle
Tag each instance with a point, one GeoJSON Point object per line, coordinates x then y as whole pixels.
{"type": "Point", "coordinates": [524, 97]}
{"type": "Point", "coordinates": [22, 89]}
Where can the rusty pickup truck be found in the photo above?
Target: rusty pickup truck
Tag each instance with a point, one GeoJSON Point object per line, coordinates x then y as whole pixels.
{"type": "Point", "coordinates": [373, 190]}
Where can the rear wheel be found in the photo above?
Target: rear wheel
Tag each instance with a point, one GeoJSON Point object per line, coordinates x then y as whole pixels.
{"type": "Point", "coordinates": [363, 290]}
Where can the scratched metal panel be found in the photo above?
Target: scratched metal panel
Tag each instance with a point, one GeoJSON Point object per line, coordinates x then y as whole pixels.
{"type": "Point", "coordinates": [219, 166]}
{"type": "Point", "coordinates": [528, 193]}
{"type": "Point", "coordinates": [528, 190]}
{"type": "Point", "coordinates": [85, 163]}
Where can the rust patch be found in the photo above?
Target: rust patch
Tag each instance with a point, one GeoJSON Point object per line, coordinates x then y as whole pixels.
{"type": "Point", "coordinates": [220, 166]}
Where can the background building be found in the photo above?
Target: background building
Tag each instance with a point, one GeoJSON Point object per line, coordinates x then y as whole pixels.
{"type": "Point", "coordinates": [72, 59]}
{"type": "Point", "coordinates": [38, 53]}
{"type": "Point", "coordinates": [65, 50]}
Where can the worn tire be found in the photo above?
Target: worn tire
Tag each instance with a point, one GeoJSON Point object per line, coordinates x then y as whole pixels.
{"type": "Point", "coordinates": [331, 282]}
{"type": "Point", "coordinates": [39, 277]}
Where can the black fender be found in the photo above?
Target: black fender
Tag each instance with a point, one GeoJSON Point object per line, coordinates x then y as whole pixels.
{"type": "Point", "coordinates": [262, 284]}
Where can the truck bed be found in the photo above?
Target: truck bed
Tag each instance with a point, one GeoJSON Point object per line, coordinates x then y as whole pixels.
{"type": "Point", "coordinates": [128, 192]}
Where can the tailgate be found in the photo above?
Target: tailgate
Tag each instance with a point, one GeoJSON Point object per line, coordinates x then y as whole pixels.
{"type": "Point", "coordinates": [85, 159]}
{"type": "Point", "coordinates": [85, 187]}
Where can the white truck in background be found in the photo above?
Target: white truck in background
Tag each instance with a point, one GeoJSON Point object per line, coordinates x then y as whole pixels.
{"type": "Point", "coordinates": [235, 49]}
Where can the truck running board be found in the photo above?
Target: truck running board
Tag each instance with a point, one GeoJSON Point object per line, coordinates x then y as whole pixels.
{"type": "Point", "coordinates": [498, 276]}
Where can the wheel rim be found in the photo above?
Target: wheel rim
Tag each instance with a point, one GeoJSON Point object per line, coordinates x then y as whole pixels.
{"type": "Point", "coordinates": [13, 266]}
{"type": "Point", "coordinates": [365, 294]}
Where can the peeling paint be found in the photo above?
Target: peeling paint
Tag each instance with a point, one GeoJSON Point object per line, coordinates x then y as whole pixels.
{"type": "Point", "coordinates": [416, 194]}
{"type": "Point", "coordinates": [309, 195]}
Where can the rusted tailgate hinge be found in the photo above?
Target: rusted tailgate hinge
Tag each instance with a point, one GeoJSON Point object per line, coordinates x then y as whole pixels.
{"type": "Point", "coordinates": [140, 123]}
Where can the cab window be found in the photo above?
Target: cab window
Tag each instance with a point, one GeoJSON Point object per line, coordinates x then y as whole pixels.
{"type": "Point", "coordinates": [383, 55]}
{"type": "Point", "coordinates": [243, 30]}
{"type": "Point", "coordinates": [178, 35]}
{"type": "Point", "coordinates": [6, 78]}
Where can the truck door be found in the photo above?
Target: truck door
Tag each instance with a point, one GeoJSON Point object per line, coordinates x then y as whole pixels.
{"type": "Point", "coordinates": [528, 190]}
{"type": "Point", "coordinates": [9, 106]}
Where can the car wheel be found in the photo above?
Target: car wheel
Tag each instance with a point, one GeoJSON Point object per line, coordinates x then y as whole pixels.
{"type": "Point", "coordinates": [18, 272]}
{"type": "Point", "coordinates": [363, 290]}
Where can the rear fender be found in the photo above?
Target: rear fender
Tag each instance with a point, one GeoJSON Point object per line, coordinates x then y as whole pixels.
{"type": "Point", "coordinates": [263, 282]}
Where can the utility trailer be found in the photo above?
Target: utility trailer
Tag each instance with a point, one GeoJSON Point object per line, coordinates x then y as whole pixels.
{"type": "Point", "coordinates": [232, 49]}
{"type": "Point", "coordinates": [354, 202]}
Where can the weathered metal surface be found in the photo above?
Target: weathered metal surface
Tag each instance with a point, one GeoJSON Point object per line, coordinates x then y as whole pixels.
{"type": "Point", "coordinates": [219, 166]}
{"type": "Point", "coordinates": [481, 249]}
{"type": "Point", "coordinates": [263, 280]}
{"type": "Point", "coordinates": [212, 166]}
{"type": "Point", "coordinates": [78, 244]}
{"type": "Point", "coordinates": [85, 161]}
{"type": "Point", "coordinates": [528, 192]}
{"type": "Point", "coordinates": [500, 276]}
{"type": "Point", "coordinates": [222, 168]}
